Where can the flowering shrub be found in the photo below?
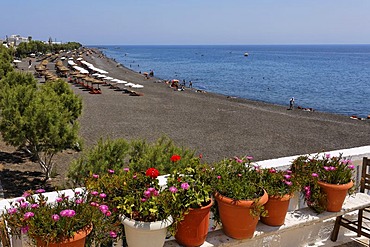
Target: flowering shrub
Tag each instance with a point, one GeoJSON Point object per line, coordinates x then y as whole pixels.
{"type": "Point", "coordinates": [57, 221]}
{"type": "Point", "coordinates": [189, 188]}
{"type": "Point", "coordinates": [278, 182]}
{"type": "Point", "coordinates": [136, 195]}
{"type": "Point", "coordinates": [238, 179]}
{"type": "Point", "coordinates": [324, 168]}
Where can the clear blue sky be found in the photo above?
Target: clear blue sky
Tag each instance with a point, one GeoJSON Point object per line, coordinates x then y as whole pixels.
{"type": "Point", "coordinates": [94, 22]}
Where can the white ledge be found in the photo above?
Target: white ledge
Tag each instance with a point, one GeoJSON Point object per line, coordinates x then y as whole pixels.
{"type": "Point", "coordinates": [298, 219]}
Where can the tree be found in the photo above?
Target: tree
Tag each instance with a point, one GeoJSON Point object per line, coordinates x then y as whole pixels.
{"type": "Point", "coordinates": [39, 120]}
{"type": "Point", "coordinates": [5, 61]}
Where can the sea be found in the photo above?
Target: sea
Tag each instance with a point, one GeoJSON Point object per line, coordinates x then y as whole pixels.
{"type": "Point", "coordinates": [327, 78]}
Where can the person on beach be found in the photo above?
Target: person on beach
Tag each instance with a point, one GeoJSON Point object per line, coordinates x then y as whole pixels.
{"type": "Point", "coordinates": [190, 84]}
{"type": "Point", "coordinates": [291, 104]}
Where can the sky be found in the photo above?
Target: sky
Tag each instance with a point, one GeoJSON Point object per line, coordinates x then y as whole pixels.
{"type": "Point", "coordinates": [183, 22]}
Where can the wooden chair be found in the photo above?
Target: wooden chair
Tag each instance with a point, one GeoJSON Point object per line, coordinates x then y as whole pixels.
{"type": "Point", "coordinates": [363, 214]}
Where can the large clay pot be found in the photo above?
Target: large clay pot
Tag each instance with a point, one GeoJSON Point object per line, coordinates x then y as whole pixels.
{"type": "Point", "coordinates": [78, 240]}
{"type": "Point", "coordinates": [277, 207]}
{"type": "Point", "coordinates": [237, 222]}
{"type": "Point", "coordinates": [335, 195]}
{"type": "Point", "coordinates": [193, 229]}
{"type": "Point", "coordinates": [140, 233]}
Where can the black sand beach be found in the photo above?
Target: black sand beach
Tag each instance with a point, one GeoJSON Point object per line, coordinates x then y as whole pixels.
{"type": "Point", "coordinates": [215, 125]}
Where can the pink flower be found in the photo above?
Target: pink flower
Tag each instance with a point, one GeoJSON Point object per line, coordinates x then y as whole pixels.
{"type": "Point", "coordinates": [94, 193]}
{"type": "Point", "coordinates": [249, 157]}
{"type": "Point", "coordinates": [26, 194]}
{"type": "Point", "coordinates": [351, 167]}
{"type": "Point", "coordinates": [126, 169]}
{"type": "Point", "coordinates": [12, 210]}
{"type": "Point", "coordinates": [173, 189]}
{"type": "Point", "coordinates": [315, 175]}
{"type": "Point", "coordinates": [103, 208]}
{"type": "Point", "coordinates": [28, 215]}
{"type": "Point", "coordinates": [40, 191]}
{"type": "Point", "coordinates": [79, 201]}
{"type": "Point", "coordinates": [288, 172]}
{"type": "Point", "coordinates": [35, 205]}
{"type": "Point", "coordinates": [24, 204]}
{"type": "Point", "coordinates": [326, 168]}
{"type": "Point", "coordinates": [156, 193]}
{"type": "Point", "coordinates": [59, 199]}
{"type": "Point", "coordinates": [77, 192]}
{"type": "Point", "coordinates": [55, 217]}
{"type": "Point", "coordinates": [332, 168]}
{"type": "Point", "coordinates": [147, 194]}
{"type": "Point", "coordinates": [287, 176]}
{"type": "Point", "coordinates": [67, 213]}
{"type": "Point", "coordinates": [25, 229]}
{"type": "Point", "coordinates": [113, 234]}
{"type": "Point", "coordinates": [111, 171]}
{"type": "Point", "coordinates": [185, 186]}
{"type": "Point", "coordinates": [289, 183]}
{"type": "Point", "coordinates": [108, 213]}
{"type": "Point", "coordinates": [327, 156]}
{"type": "Point", "coordinates": [134, 177]}
{"type": "Point", "coordinates": [272, 170]}
{"type": "Point", "coordinates": [219, 177]}
{"type": "Point", "coordinates": [239, 175]}
{"type": "Point", "coordinates": [151, 189]}
{"type": "Point", "coordinates": [20, 200]}
{"type": "Point", "coordinates": [102, 195]}
{"type": "Point", "coordinates": [95, 176]}
{"type": "Point", "coordinates": [143, 199]}
{"type": "Point", "coordinates": [94, 204]}
{"type": "Point", "coordinates": [238, 160]}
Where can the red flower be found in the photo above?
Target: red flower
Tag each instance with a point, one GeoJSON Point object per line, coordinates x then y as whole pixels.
{"type": "Point", "coordinates": [175, 158]}
{"type": "Point", "coordinates": [152, 172]}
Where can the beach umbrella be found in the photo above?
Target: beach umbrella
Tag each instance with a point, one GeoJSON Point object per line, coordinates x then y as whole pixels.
{"type": "Point", "coordinates": [17, 61]}
{"type": "Point", "coordinates": [129, 84]}
{"type": "Point", "coordinates": [120, 82]}
{"type": "Point", "coordinates": [95, 74]}
{"type": "Point", "coordinates": [101, 76]}
{"type": "Point", "coordinates": [115, 80]}
{"type": "Point", "coordinates": [70, 62]}
{"type": "Point", "coordinates": [108, 78]}
{"type": "Point", "coordinates": [137, 86]}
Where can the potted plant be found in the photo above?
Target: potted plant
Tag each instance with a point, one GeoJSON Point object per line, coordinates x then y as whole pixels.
{"type": "Point", "coordinates": [192, 202]}
{"type": "Point", "coordinates": [142, 204]}
{"type": "Point", "coordinates": [239, 196]}
{"type": "Point", "coordinates": [324, 180]}
{"type": "Point", "coordinates": [280, 186]}
{"type": "Point", "coordinates": [66, 221]}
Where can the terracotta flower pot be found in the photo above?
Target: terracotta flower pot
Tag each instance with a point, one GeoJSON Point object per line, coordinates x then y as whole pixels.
{"type": "Point", "coordinates": [277, 207]}
{"type": "Point", "coordinates": [78, 240]}
{"type": "Point", "coordinates": [237, 222]}
{"type": "Point", "coordinates": [140, 233]}
{"type": "Point", "coordinates": [335, 195]}
{"type": "Point", "coordinates": [193, 230]}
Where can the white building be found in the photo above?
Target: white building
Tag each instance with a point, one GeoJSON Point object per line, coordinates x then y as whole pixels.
{"type": "Point", "coordinates": [15, 40]}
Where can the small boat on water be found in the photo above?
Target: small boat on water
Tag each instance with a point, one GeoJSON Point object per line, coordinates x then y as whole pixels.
{"type": "Point", "coordinates": [246, 54]}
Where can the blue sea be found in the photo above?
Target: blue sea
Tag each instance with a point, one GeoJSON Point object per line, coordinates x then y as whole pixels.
{"type": "Point", "coordinates": [328, 78]}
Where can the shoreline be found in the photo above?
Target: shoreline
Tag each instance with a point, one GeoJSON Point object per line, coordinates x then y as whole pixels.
{"type": "Point", "coordinates": [219, 126]}
{"type": "Point", "coordinates": [272, 90]}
